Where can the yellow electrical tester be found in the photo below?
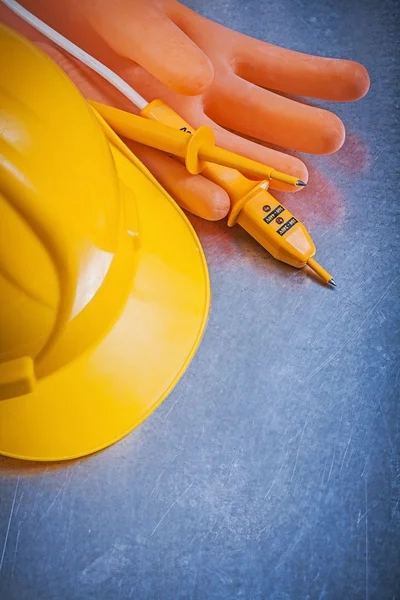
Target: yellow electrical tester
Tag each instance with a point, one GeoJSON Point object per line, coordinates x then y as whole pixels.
{"type": "Point", "coordinates": [253, 207]}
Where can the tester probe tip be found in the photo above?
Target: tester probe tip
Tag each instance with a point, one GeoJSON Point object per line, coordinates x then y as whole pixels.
{"type": "Point", "coordinates": [323, 273]}
{"type": "Point", "coordinates": [301, 183]}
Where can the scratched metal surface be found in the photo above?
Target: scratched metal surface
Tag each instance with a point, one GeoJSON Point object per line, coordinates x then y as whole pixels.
{"type": "Point", "coordinates": [272, 471]}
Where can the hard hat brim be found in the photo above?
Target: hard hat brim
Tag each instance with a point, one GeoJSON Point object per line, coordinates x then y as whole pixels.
{"type": "Point", "coordinates": [110, 389]}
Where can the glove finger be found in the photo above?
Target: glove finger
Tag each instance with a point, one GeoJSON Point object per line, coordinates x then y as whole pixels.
{"type": "Point", "coordinates": [142, 32]}
{"type": "Point", "coordinates": [192, 192]}
{"type": "Point", "coordinates": [237, 104]}
{"type": "Point", "coordinates": [300, 74]}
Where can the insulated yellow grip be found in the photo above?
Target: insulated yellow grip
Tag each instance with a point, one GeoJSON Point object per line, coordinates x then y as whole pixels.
{"type": "Point", "coordinates": [231, 180]}
{"type": "Point", "coordinates": [157, 135]}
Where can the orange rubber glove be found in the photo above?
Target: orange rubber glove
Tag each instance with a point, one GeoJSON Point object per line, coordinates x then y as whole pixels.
{"type": "Point", "coordinates": [210, 75]}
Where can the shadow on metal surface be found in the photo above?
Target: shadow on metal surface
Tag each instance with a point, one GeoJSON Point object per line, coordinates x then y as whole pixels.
{"type": "Point", "coordinates": [13, 467]}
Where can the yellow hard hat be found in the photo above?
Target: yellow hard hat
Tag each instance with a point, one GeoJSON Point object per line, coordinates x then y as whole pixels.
{"type": "Point", "coordinates": [104, 289]}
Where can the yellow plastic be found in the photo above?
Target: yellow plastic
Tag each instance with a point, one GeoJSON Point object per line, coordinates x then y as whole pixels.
{"type": "Point", "coordinates": [276, 229]}
{"type": "Point", "coordinates": [104, 290]}
{"type": "Point", "coordinates": [286, 239]}
{"type": "Point", "coordinates": [17, 377]}
{"type": "Point", "coordinates": [195, 149]}
{"type": "Point", "coordinates": [320, 271]}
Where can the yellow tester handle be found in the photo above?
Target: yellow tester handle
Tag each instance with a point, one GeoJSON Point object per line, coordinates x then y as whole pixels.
{"type": "Point", "coordinates": [274, 227]}
{"type": "Point", "coordinates": [196, 149]}
{"type": "Point", "coordinates": [154, 134]}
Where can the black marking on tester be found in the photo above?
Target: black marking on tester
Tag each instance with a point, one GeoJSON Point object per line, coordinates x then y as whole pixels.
{"type": "Point", "coordinates": [272, 215]}
{"type": "Point", "coordinates": [288, 225]}
{"type": "Point", "coordinates": [186, 130]}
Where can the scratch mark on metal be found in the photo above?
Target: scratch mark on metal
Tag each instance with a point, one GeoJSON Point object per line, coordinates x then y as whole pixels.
{"type": "Point", "coordinates": [347, 448]}
{"type": "Point", "coordinates": [351, 338]}
{"type": "Point", "coordinates": [222, 575]}
{"type": "Point", "coordinates": [298, 448]}
{"type": "Point", "coordinates": [364, 514]}
{"type": "Point", "coordinates": [317, 575]}
{"type": "Point", "coordinates": [290, 548]}
{"type": "Point", "coordinates": [232, 465]}
{"type": "Point", "coordinates": [224, 556]}
{"type": "Point", "coordinates": [9, 525]}
{"type": "Point", "coordinates": [296, 435]}
{"type": "Point", "coordinates": [219, 519]}
{"type": "Point", "coordinates": [296, 304]}
{"type": "Point", "coordinates": [323, 591]}
{"type": "Point", "coordinates": [394, 511]}
{"type": "Point", "coordinates": [275, 478]}
{"type": "Point", "coordinates": [365, 466]}
{"type": "Point", "coordinates": [376, 157]}
{"type": "Point", "coordinates": [157, 482]}
{"type": "Point", "coordinates": [19, 504]}
{"type": "Point", "coordinates": [366, 543]}
{"type": "Point", "coordinates": [15, 553]}
{"type": "Point", "coordinates": [330, 471]}
{"type": "Point", "coordinates": [55, 498]}
{"type": "Point", "coordinates": [71, 512]}
{"type": "Point", "coordinates": [163, 471]}
{"type": "Point", "coordinates": [386, 425]}
{"type": "Point", "coordinates": [37, 494]}
{"type": "Point", "coordinates": [268, 526]}
{"type": "Point", "coordinates": [172, 408]}
{"type": "Point", "coordinates": [170, 508]}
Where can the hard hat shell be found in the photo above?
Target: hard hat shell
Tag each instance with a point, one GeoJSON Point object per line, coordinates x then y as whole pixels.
{"type": "Point", "coordinates": [104, 289]}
